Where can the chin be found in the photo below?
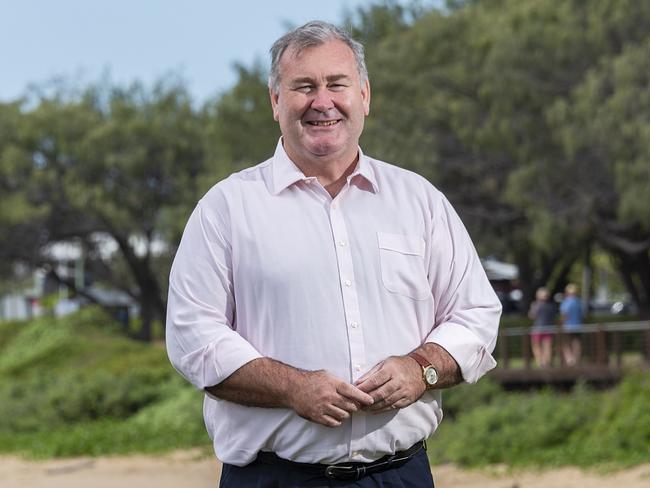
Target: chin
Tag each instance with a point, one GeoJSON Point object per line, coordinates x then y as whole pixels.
{"type": "Point", "coordinates": [322, 150]}
{"type": "Point", "coordinates": [324, 147]}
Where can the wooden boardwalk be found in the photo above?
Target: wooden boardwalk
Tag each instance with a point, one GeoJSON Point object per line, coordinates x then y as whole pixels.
{"type": "Point", "coordinates": [607, 350]}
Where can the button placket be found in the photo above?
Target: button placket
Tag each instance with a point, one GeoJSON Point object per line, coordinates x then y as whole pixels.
{"type": "Point", "coordinates": [352, 312]}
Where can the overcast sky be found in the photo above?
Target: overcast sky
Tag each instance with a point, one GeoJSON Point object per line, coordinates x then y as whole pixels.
{"type": "Point", "coordinates": [81, 40]}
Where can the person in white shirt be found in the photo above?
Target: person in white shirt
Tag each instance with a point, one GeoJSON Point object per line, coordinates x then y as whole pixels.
{"type": "Point", "coordinates": [323, 298]}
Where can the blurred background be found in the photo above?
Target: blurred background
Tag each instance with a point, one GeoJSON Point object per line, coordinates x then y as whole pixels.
{"type": "Point", "coordinates": [532, 116]}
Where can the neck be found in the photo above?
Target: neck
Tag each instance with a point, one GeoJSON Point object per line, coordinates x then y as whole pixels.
{"type": "Point", "coordinates": [331, 172]}
{"type": "Point", "coordinates": [334, 186]}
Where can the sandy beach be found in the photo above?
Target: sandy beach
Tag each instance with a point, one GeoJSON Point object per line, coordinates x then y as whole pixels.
{"type": "Point", "coordinates": [194, 469]}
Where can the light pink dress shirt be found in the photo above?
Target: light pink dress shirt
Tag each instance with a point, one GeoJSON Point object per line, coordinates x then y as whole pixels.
{"type": "Point", "coordinates": [270, 265]}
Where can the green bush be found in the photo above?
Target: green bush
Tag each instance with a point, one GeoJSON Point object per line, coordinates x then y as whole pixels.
{"type": "Point", "coordinates": [519, 429]}
{"type": "Point", "coordinates": [8, 330]}
{"type": "Point", "coordinates": [76, 397]}
{"type": "Point", "coordinates": [77, 385]}
{"type": "Point", "coordinates": [584, 428]}
{"type": "Point", "coordinates": [465, 397]}
{"type": "Point", "coordinates": [620, 434]}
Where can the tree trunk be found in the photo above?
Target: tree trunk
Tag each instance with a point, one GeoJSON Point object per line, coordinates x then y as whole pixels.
{"type": "Point", "coordinates": [635, 273]}
{"type": "Point", "coordinates": [150, 299]}
{"type": "Point", "coordinates": [152, 306]}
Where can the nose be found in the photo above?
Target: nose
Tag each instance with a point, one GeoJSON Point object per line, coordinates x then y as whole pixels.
{"type": "Point", "coordinates": [322, 100]}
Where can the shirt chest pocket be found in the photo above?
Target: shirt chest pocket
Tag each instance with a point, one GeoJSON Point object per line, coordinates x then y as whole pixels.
{"type": "Point", "coordinates": [401, 259]}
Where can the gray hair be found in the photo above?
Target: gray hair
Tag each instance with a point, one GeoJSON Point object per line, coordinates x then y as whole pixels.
{"type": "Point", "coordinates": [313, 34]}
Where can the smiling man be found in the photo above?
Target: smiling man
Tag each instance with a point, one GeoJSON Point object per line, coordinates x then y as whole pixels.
{"type": "Point", "coordinates": [323, 298]}
{"type": "Point", "coordinates": [321, 103]}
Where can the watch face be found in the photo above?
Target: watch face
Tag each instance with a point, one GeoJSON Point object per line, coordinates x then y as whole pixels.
{"type": "Point", "coordinates": [431, 376]}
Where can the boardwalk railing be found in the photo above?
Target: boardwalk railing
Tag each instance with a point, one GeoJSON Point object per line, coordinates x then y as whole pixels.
{"type": "Point", "coordinates": [606, 349]}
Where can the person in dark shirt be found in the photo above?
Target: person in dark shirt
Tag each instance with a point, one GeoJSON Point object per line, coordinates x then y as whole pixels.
{"type": "Point", "coordinates": [543, 312]}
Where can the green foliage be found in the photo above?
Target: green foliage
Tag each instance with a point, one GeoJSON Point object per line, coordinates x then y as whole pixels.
{"type": "Point", "coordinates": [465, 397]}
{"type": "Point", "coordinates": [519, 429]}
{"type": "Point", "coordinates": [621, 431]}
{"type": "Point", "coordinates": [174, 422]}
{"type": "Point", "coordinates": [585, 428]}
{"type": "Point", "coordinates": [76, 386]}
{"type": "Point", "coordinates": [240, 130]}
{"type": "Point", "coordinates": [531, 116]}
{"type": "Point", "coordinates": [9, 330]}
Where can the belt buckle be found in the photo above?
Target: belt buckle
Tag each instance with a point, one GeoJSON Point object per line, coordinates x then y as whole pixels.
{"type": "Point", "coordinates": [341, 472]}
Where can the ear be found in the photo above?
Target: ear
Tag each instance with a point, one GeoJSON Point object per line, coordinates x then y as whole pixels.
{"type": "Point", "coordinates": [274, 103]}
{"type": "Point", "coordinates": [365, 95]}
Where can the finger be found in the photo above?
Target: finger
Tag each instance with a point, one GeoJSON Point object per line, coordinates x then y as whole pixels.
{"type": "Point", "coordinates": [377, 380]}
{"type": "Point", "coordinates": [337, 413]}
{"type": "Point", "coordinates": [347, 405]}
{"type": "Point", "coordinates": [402, 402]}
{"type": "Point", "coordinates": [386, 396]}
{"type": "Point", "coordinates": [353, 393]}
{"type": "Point", "coordinates": [328, 421]}
{"type": "Point", "coordinates": [395, 402]}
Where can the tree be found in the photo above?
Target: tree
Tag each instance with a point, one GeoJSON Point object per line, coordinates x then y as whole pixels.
{"type": "Point", "coordinates": [465, 96]}
{"type": "Point", "coordinates": [240, 130]}
{"type": "Point", "coordinates": [116, 162]}
{"type": "Point", "coordinates": [604, 130]}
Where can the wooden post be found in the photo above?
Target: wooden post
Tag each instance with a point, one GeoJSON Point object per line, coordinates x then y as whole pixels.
{"type": "Point", "coordinates": [616, 345]}
{"type": "Point", "coordinates": [503, 348]}
{"type": "Point", "coordinates": [526, 349]}
{"type": "Point", "coordinates": [601, 346]}
{"type": "Point", "coordinates": [561, 338]}
{"type": "Point", "coordinates": [555, 347]}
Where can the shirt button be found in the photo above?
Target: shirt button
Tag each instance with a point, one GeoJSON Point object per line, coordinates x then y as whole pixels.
{"type": "Point", "coordinates": [354, 325]}
{"type": "Point", "coordinates": [342, 243]}
{"type": "Point", "coordinates": [347, 283]}
{"type": "Point", "coordinates": [334, 205]}
{"type": "Point", "coordinates": [357, 367]}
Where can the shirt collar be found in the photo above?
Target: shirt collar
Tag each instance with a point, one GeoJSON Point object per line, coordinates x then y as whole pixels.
{"type": "Point", "coordinates": [286, 173]}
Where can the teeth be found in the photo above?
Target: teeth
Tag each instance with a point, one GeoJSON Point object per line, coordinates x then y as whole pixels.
{"type": "Point", "coordinates": [323, 122]}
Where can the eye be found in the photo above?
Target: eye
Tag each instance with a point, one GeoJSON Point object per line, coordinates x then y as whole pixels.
{"type": "Point", "coordinates": [337, 86]}
{"type": "Point", "coordinates": [303, 88]}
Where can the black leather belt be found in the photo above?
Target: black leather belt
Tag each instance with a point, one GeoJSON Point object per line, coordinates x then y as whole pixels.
{"type": "Point", "coordinates": [347, 471]}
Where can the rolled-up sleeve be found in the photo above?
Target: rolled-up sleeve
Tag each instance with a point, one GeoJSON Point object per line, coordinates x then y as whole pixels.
{"type": "Point", "coordinates": [467, 308]}
{"type": "Point", "coordinates": [202, 342]}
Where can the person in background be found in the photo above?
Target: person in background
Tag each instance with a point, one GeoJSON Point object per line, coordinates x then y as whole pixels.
{"type": "Point", "coordinates": [543, 312]}
{"type": "Point", "coordinates": [571, 319]}
{"type": "Point", "coordinates": [323, 298]}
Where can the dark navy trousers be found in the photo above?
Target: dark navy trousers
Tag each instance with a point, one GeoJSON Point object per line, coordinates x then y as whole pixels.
{"type": "Point", "coordinates": [416, 473]}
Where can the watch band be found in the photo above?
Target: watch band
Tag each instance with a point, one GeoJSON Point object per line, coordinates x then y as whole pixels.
{"type": "Point", "coordinates": [422, 361]}
{"type": "Point", "coordinates": [429, 373]}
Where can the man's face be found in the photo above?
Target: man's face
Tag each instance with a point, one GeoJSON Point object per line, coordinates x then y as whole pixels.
{"type": "Point", "coordinates": [321, 103]}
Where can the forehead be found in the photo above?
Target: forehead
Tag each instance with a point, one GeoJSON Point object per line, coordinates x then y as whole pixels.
{"type": "Point", "coordinates": [316, 61]}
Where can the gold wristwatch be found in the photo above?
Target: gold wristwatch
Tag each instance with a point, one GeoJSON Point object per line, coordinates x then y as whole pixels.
{"type": "Point", "coordinates": [429, 373]}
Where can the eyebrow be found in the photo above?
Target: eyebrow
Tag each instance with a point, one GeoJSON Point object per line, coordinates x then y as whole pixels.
{"type": "Point", "coordinates": [330, 78]}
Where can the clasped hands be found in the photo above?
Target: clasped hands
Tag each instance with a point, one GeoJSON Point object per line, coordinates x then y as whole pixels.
{"type": "Point", "coordinates": [394, 383]}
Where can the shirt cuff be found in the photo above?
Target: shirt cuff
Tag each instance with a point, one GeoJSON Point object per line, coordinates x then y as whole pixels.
{"type": "Point", "coordinates": [205, 368]}
{"type": "Point", "coordinates": [472, 356]}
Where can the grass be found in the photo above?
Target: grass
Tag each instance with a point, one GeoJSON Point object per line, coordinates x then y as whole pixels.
{"type": "Point", "coordinates": [77, 386]}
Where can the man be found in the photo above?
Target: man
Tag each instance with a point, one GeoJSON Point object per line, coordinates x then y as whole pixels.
{"type": "Point", "coordinates": [323, 298]}
{"type": "Point", "coordinates": [571, 318]}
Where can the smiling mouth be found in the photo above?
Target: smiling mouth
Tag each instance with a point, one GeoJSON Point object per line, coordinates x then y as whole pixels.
{"type": "Point", "coordinates": [322, 123]}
